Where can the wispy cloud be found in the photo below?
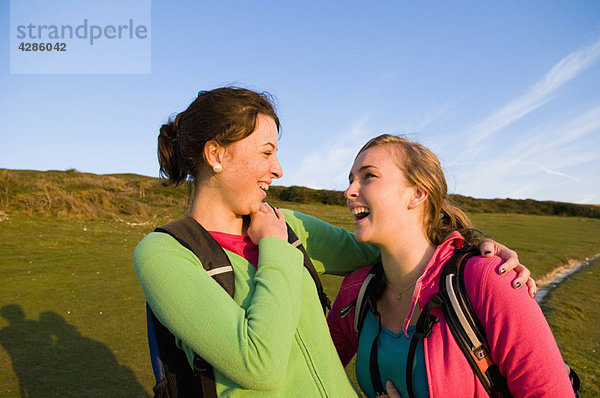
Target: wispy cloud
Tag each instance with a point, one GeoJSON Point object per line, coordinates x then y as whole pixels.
{"type": "Point", "coordinates": [536, 96]}
{"type": "Point", "coordinates": [556, 173]}
{"type": "Point", "coordinates": [559, 145]}
{"type": "Point", "coordinates": [551, 161]}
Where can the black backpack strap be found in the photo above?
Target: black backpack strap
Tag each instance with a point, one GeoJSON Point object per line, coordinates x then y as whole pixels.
{"type": "Point", "coordinates": [374, 365]}
{"type": "Point", "coordinates": [574, 380]}
{"type": "Point", "coordinates": [294, 241]}
{"type": "Point", "coordinates": [424, 327]}
{"type": "Point", "coordinates": [369, 292]}
{"type": "Point", "coordinates": [190, 234]}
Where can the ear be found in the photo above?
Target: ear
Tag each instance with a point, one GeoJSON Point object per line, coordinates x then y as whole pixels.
{"type": "Point", "coordinates": [418, 197]}
{"type": "Point", "coordinates": [213, 153]}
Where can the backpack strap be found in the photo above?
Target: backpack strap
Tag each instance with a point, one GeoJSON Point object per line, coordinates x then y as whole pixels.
{"type": "Point", "coordinates": [295, 241]}
{"type": "Point", "coordinates": [469, 333]}
{"type": "Point", "coordinates": [463, 324]}
{"type": "Point", "coordinates": [174, 377]}
{"type": "Point", "coordinates": [424, 328]}
{"type": "Point", "coordinates": [369, 292]}
{"type": "Point", "coordinates": [466, 328]}
{"type": "Point", "coordinates": [361, 304]}
{"type": "Point", "coordinates": [190, 234]}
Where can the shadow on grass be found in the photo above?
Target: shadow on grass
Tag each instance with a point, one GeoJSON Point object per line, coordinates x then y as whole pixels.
{"type": "Point", "coordinates": [52, 359]}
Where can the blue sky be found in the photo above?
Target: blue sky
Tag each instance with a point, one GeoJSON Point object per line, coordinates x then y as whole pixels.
{"type": "Point", "coordinates": [505, 93]}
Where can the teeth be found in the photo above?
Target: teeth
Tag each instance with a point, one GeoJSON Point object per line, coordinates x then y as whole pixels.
{"type": "Point", "coordinates": [263, 186]}
{"type": "Point", "coordinates": [360, 210]}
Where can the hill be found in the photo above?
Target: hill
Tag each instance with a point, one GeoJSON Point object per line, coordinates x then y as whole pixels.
{"type": "Point", "coordinates": [73, 194]}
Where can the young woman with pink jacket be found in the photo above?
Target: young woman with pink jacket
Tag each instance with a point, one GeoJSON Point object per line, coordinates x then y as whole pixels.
{"type": "Point", "coordinates": [398, 197]}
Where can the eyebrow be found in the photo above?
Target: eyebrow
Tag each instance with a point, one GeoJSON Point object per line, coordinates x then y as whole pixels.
{"type": "Point", "coordinates": [269, 144]}
{"type": "Point", "coordinates": [368, 166]}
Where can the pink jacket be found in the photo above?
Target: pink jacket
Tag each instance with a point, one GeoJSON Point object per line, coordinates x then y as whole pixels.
{"type": "Point", "coordinates": [519, 337]}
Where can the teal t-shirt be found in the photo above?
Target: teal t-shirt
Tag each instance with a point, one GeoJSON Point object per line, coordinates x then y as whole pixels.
{"type": "Point", "coordinates": [392, 351]}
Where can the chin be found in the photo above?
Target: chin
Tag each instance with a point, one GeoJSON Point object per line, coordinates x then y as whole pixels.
{"type": "Point", "coordinates": [253, 207]}
{"type": "Point", "coordinates": [361, 237]}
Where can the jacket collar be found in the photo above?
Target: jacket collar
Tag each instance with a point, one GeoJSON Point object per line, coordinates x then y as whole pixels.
{"type": "Point", "coordinates": [428, 283]}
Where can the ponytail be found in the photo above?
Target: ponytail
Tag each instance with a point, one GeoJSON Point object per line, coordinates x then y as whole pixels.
{"type": "Point", "coordinates": [224, 115]}
{"type": "Point", "coordinates": [169, 154]}
{"type": "Point", "coordinates": [449, 219]}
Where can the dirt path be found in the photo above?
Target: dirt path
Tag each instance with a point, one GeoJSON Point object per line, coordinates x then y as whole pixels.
{"type": "Point", "coordinates": [560, 273]}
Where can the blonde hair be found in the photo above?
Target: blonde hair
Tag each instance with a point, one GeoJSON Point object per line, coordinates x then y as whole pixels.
{"type": "Point", "coordinates": [421, 168]}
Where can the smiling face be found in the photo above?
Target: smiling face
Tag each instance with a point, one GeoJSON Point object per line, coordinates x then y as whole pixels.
{"type": "Point", "coordinates": [249, 166]}
{"type": "Point", "coordinates": [379, 197]}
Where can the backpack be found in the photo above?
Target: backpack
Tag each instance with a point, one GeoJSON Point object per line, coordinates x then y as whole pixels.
{"type": "Point", "coordinates": [459, 315]}
{"type": "Point", "coordinates": [174, 377]}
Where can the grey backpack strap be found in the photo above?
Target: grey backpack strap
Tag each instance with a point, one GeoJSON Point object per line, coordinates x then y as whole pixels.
{"type": "Point", "coordinates": [369, 291]}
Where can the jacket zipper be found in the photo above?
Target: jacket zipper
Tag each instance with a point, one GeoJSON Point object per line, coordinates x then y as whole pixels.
{"type": "Point", "coordinates": [311, 365]}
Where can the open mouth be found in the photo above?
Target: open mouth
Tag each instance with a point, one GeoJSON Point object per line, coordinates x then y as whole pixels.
{"type": "Point", "coordinates": [264, 186]}
{"type": "Point", "coordinates": [360, 212]}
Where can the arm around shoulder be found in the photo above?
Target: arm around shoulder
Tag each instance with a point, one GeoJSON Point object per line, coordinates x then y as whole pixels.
{"type": "Point", "coordinates": [334, 250]}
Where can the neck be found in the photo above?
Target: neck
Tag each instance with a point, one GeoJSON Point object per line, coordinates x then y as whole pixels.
{"type": "Point", "coordinates": [209, 210]}
{"type": "Point", "coordinates": [405, 261]}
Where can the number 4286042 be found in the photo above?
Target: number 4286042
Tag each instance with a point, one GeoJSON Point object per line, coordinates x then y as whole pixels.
{"type": "Point", "coordinates": [43, 46]}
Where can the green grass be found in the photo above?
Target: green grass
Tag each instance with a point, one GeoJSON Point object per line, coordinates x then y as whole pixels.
{"type": "Point", "coordinates": [72, 313]}
{"type": "Point", "coordinates": [573, 311]}
{"type": "Point", "coordinates": [543, 242]}
{"type": "Point", "coordinates": [76, 311]}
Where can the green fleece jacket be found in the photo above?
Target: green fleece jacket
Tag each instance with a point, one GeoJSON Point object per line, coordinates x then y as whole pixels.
{"type": "Point", "coordinates": [271, 339]}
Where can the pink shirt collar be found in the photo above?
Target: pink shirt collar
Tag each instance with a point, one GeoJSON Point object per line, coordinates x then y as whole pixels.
{"type": "Point", "coordinates": [239, 244]}
{"type": "Point", "coordinates": [430, 275]}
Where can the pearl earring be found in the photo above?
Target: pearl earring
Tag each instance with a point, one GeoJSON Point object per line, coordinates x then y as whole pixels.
{"type": "Point", "coordinates": [217, 168]}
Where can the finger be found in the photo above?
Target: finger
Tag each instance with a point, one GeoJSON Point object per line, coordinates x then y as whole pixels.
{"type": "Point", "coordinates": [279, 213]}
{"type": "Point", "coordinates": [265, 208]}
{"type": "Point", "coordinates": [391, 390]}
{"type": "Point", "coordinates": [511, 260]}
{"type": "Point", "coordinates": [486, 247]}
{"type": "Point", "coordinates": [522, 277]}
{"type": "Point", "coordinates": [531, 287]}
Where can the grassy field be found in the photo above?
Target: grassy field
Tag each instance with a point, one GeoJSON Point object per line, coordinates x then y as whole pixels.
{"type": "Point", "coordinates": [72, 314]}
{"type": "Point", "coordinates": [573, 311]}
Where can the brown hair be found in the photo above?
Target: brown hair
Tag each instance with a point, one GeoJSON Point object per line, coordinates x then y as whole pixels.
{"type": "Point", "coordinates": [422, 168]}
{"type": "Point", "coordinates": [224, 115]}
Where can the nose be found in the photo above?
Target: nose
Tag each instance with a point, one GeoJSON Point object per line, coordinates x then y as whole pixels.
{"type": "Point", "coordinates": [276, 169]}
{"type": "Point", "coordinates": [352, 191]}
